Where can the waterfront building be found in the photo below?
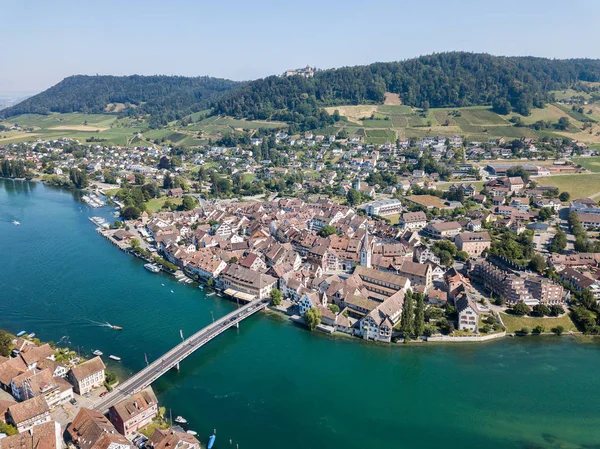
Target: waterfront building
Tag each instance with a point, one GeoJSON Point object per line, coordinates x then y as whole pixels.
{"type": "Point", "coordinates": [134, 412]}
{"type": "Point", "coordinates": [92, 430]}
{"type": "Point", "coordinates": [87, 376]}
{"type": "Point", "coordinates": [171, 438]}
{"type": "Point", "coordinates": [237, 279]}
{"type": "Point", "coordinates": [379, 323]}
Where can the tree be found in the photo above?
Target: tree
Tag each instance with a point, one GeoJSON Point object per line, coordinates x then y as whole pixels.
{"type": "Point", "coordinates": [564, 196]}
{"type": "Point", "coordinates": [353, 197]}
{"type": "Point", "coordinates": [312, 318]}
{"type": "Point", "coordinates": [539, 329]}
{"type": "Point", "coordinates": [276, 296]}
{"type": "Point", "coordinates": [518, 171]}
{"type": "Point", "coordinates": [558, 243]}
{"type": "Point", "coordinates": [524, 331]}
{"type": "Point", "coordinates": [545, 213]}
{"type": "Point", "coordinates": [541, 310]}
{"type": "Point", "coordinates": [168, 182]}
{"type": "Point", "coordinates": [558, 330]}
{"type": "Point", "coordinates": [556, 310]}
{"type": "Point", "coordinates": [8, 429]}
{"type": "Point", "coordinates": [189, 202]}
{"type": "Point", "coordinates": [5, 343]}
{"type": "Point", "coordinates": [135, 243]}
{"type": "Point", "coordinates": [407, 318]}
{"type": "Point", "coordinates": [327, 230]}
{"type": "Point", "coordinates": [419, 315]}
{"type": "Point", "coordinates": [587, 299]}
{"type": "Point", "coordinates": [130, 213]}
{"type": "Point", "coordinates": [521, 309]}
{"type": "Point", "coordinates": [429, 330]}
{"type": "Point", "coordinates": [78, 178]}
{"type": "Point", "coordinates": [139, 178]}
{"type": "Point", "coordinates": [334, 308]}
{"type": "Point", "coordinates": [563, 123]}
{"type": "Point", "coordinates": [537, 263]}
{"type": "Point", "coordinates": [462, 255]}
{"type": "Point", "coordinates": [164, 163]}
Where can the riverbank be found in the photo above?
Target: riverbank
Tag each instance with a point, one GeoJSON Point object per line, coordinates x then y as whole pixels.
{"type": "Point", "coordinates": [267, 382]}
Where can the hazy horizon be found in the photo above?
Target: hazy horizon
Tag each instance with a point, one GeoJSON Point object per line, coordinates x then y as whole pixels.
{"type": "Point", "coordinates": [52, 41]}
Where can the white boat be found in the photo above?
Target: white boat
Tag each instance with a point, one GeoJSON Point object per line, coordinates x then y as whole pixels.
{"type": "Point", "coordinates": [192, 432]}
{"type": "Point", "coordinates": [97, 352]}
{"type": "Point", "coordinates": [152, 267]}
{"type": "Point", "coordinates": [31, 335]}
{"type": "Point", "coordinates": [114, 357]}
{"type": "Point", "coordinates": [16, 223]}
{"type": "Point", "coordinates": [181, 420]}
{"type": "Point", "coordinates": [172, 291]}
{"type": "Point", "coordinates": [211, 294]}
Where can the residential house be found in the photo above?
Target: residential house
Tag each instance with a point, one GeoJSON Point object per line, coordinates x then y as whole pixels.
{"type": "Point", "coordinates": [32, 412]}
{"type": "Point", "coordinates": [473, 243]}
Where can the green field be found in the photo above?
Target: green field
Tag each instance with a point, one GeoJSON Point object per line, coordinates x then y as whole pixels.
{"type": "Point", "coordinates": [155, 204]}
{"type": "Point", "coordinates": [590, 163]}
{"type": "Point", "coordinates": [579, 185]}
{"type": "Point", "coordinates": [475, 122]}
{"type": "Point", "coordinates": [515, 323]}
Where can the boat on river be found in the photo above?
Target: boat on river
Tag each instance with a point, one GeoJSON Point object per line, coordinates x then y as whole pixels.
{"type": "Point", "coordinates": [115, 358]}
{"type": "Point", "coordinates": [97, 352]}
{"type": "Point", "coordinates": [20, 334]}
{"type": "Point", "coordinates": [181, 420]}
{"type": "Point", "coordinates": [192, 432]}
{"type": "Point", "coordinates": [211, 441]}
{"type": "Point", "coordinates": [152, 267]}
{"type": "Point", "coordinates": [16, 223]}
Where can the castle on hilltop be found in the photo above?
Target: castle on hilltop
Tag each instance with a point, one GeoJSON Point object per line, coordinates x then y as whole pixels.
{"type": "Point", "coordinates": [306, 72]}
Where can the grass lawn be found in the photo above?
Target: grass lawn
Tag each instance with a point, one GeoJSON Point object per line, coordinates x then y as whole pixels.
{"type": "Point", "coordinates": [393, 218]}
{"type": "Point", "coordinates": [111, 192]}
{"type": "Point", "coordinates": [590, 163]}
{"type": "Point", "coordinates": [515, 323]}
{"type": "Point", "coordinates": [578, 186]}
{"type": "Point", "coordinates": [155, 204]}
{"type": "Point", "coordinates": [150, 428]}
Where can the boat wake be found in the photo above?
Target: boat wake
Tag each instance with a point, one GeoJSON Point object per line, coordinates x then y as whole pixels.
{"type": "Point", "coordinates": [105, 324]}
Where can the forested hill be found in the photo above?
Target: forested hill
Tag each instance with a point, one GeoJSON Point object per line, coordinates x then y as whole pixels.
{"type": "Point", "coordinates": [439, 80]}
{"type": "Point", "coordinates": [166, 98]}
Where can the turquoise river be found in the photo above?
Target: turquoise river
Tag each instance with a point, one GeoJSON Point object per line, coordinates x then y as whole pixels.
{"type": "Point", "coordinates": [272, 383]}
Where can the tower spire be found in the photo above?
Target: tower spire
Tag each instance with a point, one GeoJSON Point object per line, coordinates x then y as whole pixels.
{"type": "Point", "coordinates": [365, 251]}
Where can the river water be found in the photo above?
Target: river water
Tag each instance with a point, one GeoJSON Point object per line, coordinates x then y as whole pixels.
{"type": "Point", "coordinates": [272, 383]}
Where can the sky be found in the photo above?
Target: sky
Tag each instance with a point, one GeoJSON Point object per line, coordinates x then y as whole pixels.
{"type": "Point", "coordinates": [45, 41]}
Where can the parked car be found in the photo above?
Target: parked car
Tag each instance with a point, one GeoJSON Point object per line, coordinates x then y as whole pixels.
{"type": "Point", "coordinates": [103, 394]}
{"type": "Point", "coordinates": [73, 401]}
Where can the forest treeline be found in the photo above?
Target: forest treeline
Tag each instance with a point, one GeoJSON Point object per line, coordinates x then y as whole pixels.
{"type": "Point", "coordinates": [453, 79]}
{"type": "Point", "coordinates": [165, 98]}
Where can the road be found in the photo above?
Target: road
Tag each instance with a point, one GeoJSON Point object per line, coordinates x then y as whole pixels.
{"type": "Point", "coordinates": [169, 360]}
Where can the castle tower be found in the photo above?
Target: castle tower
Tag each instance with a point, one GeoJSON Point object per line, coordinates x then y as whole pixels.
{"type": "Point", "coordinates": [365, 251]}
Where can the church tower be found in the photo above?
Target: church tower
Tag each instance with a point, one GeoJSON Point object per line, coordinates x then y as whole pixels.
{"type": "Point", "coordinates": [365, 251]}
